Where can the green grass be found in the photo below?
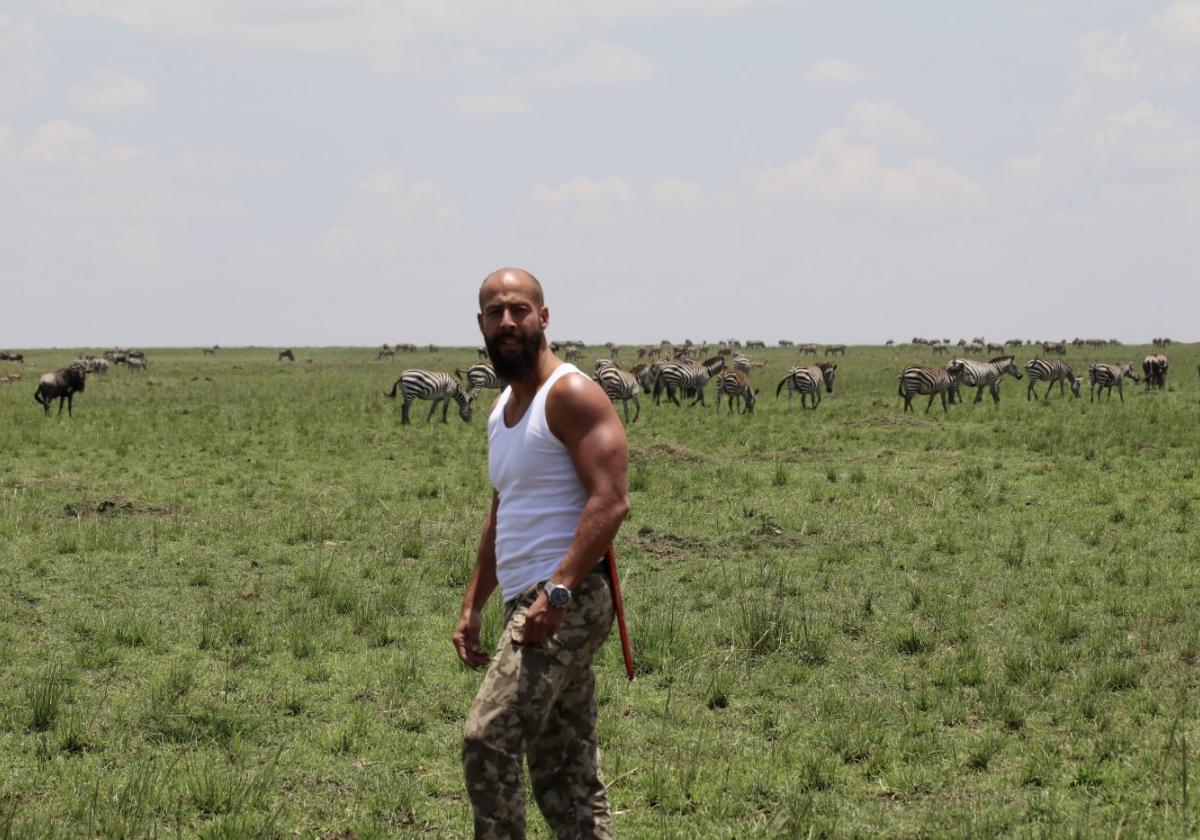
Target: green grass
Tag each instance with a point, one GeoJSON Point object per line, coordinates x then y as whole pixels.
{"type": "Point", "coordinates": [230, 583]}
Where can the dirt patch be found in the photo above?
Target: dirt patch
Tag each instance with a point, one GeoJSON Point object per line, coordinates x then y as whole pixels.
{"type": "Point", "coordinates": [890, 421]}
{"type": "Point", "coordinates": [671, 451]}
{"type": "Point", "coordinates": [115, 506]}
{"type": "Point", "coordinates": [668, 545]}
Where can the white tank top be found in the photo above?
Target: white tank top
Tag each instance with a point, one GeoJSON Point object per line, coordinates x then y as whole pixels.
{"type": "Point", "coordinates": [541, 497]}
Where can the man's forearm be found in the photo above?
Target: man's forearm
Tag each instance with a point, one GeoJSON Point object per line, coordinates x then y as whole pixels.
{"type": "Point", "coordinates": [598, 525]}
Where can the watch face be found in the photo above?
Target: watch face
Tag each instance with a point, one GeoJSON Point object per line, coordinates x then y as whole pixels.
{"type": "Point", "coordinates": [559, 595]}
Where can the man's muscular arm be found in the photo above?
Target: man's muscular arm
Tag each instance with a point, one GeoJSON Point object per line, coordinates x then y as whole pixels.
{"type": "Point", "coordinates": [581, 416]}
{"type": "Point", "coordinates": [479, 589]}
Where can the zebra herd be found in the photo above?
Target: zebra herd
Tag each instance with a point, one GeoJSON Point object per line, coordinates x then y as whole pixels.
{"type": "Point", "coordinates": [686, 379]}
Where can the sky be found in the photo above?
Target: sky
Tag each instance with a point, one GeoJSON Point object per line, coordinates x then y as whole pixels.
{"type": "Point", "coordinates": [321, 172]}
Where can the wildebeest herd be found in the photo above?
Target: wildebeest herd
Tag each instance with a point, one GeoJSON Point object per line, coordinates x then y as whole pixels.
{"type": "Point", "coordinates": [670, 371]}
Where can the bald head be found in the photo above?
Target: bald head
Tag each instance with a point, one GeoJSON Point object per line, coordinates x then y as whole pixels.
{"type": "Point", "coordinates": [511, 279]}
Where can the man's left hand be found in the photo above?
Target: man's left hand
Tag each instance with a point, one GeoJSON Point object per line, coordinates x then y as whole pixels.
{"type": "Point", "coordinates": [542, 621]}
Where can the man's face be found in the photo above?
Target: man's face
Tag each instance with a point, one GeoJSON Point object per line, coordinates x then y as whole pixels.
{"type": "Point", "coordinates": [513, 327]}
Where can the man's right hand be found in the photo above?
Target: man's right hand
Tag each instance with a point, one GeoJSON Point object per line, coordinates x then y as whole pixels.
{"type": "Point", "coordinates": [466, 641]}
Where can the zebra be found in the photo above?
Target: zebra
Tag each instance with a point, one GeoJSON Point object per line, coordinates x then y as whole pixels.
{"type": "Point", "coordinates": [931, 381]}
{"type": "Point", "coordinates": [1155, 370]}
{"type": "Point", "coordinates": [980, 375]}
{"type": "Point", "coordinates": [676, 376]}
{"type": "Point", "coordinates": [646, 374]}
{"type": "Point", "coordinates": [479, 376]}
{"type": "Point", "coordinates": [430, 385]}
{"type": "Point", "coordinates": [619, 385]}
{"type": "Point", "coordinates": [1059, 347]}
{"type": "Point", "coordinates": [834, 349]}
{"type": "Point", "coordinates": [736, 386]}
{"type": "Point", "coordinates": [1052, 371]}
{"type": "Point", "coordinates": [1101, 376]}
{"type": "Point", "coordinates": [742, 363]}
{"type": "Point", "coordinates": [808, 379]}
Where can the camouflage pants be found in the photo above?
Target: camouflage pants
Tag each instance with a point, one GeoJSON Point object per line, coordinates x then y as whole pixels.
{"type": "Point", "coordinates": [540, 701]}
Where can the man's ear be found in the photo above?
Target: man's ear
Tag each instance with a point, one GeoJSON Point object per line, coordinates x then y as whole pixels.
{"type": "Point", "coordinates": [544, 316]}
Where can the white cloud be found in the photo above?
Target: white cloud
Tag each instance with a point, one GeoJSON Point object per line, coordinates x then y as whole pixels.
{"type": "Point", "coordinates": [887, 121]}
{"type": "Point", "coordinates": [22, 61]}
{"type": "Point", "coordinates": [60, 143]}
{"type": "Point", "coordinates": [841, 173]}
{"type": "Point", "coordinates": [416, 36]}
{"type": "Point", "coordinates": [587, 204]}
{"type": "Point", "coordinates": [492, 106]}
{"type": "Point", "coordinates": [598, 64]}
{"type": "Point", "coordinates": [111, 91]}
{"type": "Point", "coordinates": [677, 196]}
{"type": "Point", "coordinates": [833, 72]}
{"type": "Point", "coordinates": [389, 214]}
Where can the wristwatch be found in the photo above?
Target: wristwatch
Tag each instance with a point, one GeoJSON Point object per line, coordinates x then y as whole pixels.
{"type": "Point", "coordinates": [558, 594]}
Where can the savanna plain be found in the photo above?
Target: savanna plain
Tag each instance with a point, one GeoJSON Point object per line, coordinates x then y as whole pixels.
{"type": "Point", "coordinates": [229, 585]}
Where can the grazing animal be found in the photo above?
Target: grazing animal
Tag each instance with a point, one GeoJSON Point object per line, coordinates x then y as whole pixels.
{"type": "Point", "coordinates": [61, 384]}
{"type": "Point", "coordinates": [210, 351]}
{"type": "Point", "coordinates": [980, 375]}
{"type": "Point", "coordinates": [807, 380]}
{"type": "Point", "coordinates": [479, 376]}
{"type": "Point", "coordinates": [686, 376]}
{"type": "Point", "coordinates": [1155, 370]}
{"type": "Point", "coordinates": [806, 349]}
{"type": "Point", "coordinates": [385, 352]}
{"type": "Point", "coordinates": [1101, 376]}
{"type": "Point", "coordinates": [742, 363]}
{"type": "Point", "coordinates": [735, 385]}
{"type": "Point", "coordinates": [995, 348]}
{"type": "Point", "coordinates": [931, 381]}
{"type": "Point", "coordinates": [10, 377]}
{"type": "Point", "coordinates": [620, 385]}
{"type": "Point", "coordinates": [835, 349]}
{"type": "Point", "coordinates": [287, 354]}
{"type": "Point", "coordinates": [1059, 347]}
{"type": "Point", "coordinates": [12, 357]}
{"type": "Point", "coordinates": [135, 363]}
{"type": "Point", "coordinates": [646, 374]}
{"type": "Point", "coordinates": [1050, 370]}
{"type": "Point", "coordinates": [430, 385]}
{"type": "Point", "coordinates": [938, 347]}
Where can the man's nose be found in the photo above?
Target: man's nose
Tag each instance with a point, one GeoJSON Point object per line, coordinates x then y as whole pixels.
{"type": "Point", "coordinates": [506, 319]}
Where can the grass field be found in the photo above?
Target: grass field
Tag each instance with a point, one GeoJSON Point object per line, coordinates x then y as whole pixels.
{"type": "Point", "coordinates": [229, 585]}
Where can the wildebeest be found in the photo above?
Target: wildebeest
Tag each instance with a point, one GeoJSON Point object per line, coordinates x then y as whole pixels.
{"type": "Point", "coordinates": [135, 363]}
{"type": "Point", "coordinates": [1155, 369]}
{"type": "Point", "coordinates": [62, 384]}
{"type": "Point", "coordinates": [12, 357]}
{"type": "Point", "coordinates": [287, 354]}
{"type": "Point", "coordinates": [210, 351]}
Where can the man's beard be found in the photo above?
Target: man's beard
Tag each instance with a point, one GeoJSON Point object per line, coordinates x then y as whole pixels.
{"type": "Point", "coordinates": [517, 366]}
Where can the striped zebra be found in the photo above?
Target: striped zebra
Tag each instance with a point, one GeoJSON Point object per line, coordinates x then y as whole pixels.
{"type": "Point", "coordinates": [479, 376]}
{"type": "Point", "coordinates": [735, 385]}
{"type": "Point", "coordinates": [980, 375]}
{"type": "Point", "coordinates": [931, 381]}
{"type": "Point", "coordinates": [1154, 368]}
{"type": "Point", "coordinates": [681, 377]}
{"type": "Point", "coordinates": [1051, 371]}
{"type": "Point", "coordinates": [619, 385]}
{"type": "Point", "coordinates": [807, 380]}
{"type": "Point", "coordinates": [430, 385]}
{"type": "Point", "coordinates": [742, 363]}
{"type": "Point", "coordinates": [646, 374]}
{"type": "Point", "coordinates": [1101, 376]}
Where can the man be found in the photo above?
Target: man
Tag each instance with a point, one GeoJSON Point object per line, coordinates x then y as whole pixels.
{"type": "Point", "coordinates": [559, 461]}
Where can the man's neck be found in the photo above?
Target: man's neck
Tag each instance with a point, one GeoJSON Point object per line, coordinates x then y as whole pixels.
{"type": "Point", "coordinates": [524, 389]}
